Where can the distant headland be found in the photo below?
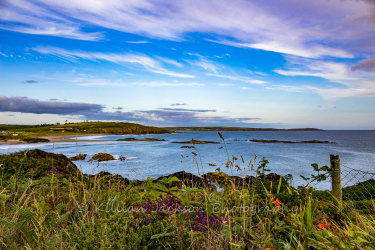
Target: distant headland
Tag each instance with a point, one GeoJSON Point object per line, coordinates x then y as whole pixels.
{"type": "Point", "coordinates": [237, 129]}
{"type": "Point", "coordinates": [14, 134]}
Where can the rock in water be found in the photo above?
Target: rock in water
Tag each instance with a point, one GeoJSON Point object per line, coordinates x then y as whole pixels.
{"type": "Point", "coordinates": [78, 157]}
{"type": "Point", "coordinates": [102, 157]}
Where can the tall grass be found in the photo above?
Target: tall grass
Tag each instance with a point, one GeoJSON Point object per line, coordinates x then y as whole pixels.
{"type": "Point", "coordinates": [77, 211]}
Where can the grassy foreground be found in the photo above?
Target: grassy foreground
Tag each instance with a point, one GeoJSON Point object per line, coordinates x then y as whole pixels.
{"type": "Point", "coordinates": [47, 203]}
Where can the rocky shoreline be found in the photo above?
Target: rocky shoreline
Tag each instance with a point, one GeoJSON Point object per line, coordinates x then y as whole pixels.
{"type": "Point", "coordinates": [38, 163]}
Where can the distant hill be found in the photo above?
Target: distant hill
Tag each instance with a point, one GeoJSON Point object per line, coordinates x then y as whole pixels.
{"type": "Point", "coordinates": [81, 128]}
{"type": "Point", "coordinates": [237, 129]}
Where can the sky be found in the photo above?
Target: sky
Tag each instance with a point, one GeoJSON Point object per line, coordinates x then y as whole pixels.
{"type": "Point", "coordinates": [269, 63]}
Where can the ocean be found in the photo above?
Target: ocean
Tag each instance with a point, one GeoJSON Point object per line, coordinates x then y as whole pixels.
{"type": "Point", "coordinates": [154, 159]}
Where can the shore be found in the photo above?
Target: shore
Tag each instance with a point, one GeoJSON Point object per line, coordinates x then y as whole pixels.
{"type": "Point", "coordinates": [57, 138]}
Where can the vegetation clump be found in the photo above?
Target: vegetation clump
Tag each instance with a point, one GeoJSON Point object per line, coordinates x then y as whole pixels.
{"type": "Point", "coordinates": [78, 157]}
{"type": "Point", "coordinates": [35, 164]}
{"type": "Point", "coordinates": [34, 140]}
{"type": "Point", "coordinates": [102, 157]}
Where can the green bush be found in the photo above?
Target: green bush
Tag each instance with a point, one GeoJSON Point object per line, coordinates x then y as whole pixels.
{"type": "Point", "coordinates": [116, 232]}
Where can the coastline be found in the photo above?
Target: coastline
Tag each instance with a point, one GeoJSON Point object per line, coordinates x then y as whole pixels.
{"type": "Point", "coordinates": [56, 138]}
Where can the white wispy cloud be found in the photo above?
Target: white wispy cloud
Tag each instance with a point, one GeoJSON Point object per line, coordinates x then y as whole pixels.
{"type": "Point", "coordinates": [224, 84]}
{"type": "Point", "coordinates": [334, 71]}
{"type": "Point", "coordinates": [3, 54]}
{"type": "Point", "coordinates": [261, 73]}
{"type": "Point", "coordinates": [31, 18]}
{"type": "Point", "coordinates": [93, 82]}
{"type": "Point", "coordinates": [328, 92]}
{"type": "Point", "coordinates": [167, 84]}
{"type": "Point", "coordinates": [147, 62]}
{"type": "Point", "coordinates": [138, 42]}
{"type": "Point", "coordinates": [205, 64]}
{"type": "Point", "coordinates": [351, 84]}
{"type": "Point", "coordinates": [297, 49]}
{"type": "Point", "coordinates": [239, 78]}
{"type": "Point", "coordinates": [310, 29]}
{"type": "Point", "coordinates": [169, 61]}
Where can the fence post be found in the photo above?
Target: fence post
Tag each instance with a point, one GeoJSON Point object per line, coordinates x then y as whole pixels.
{"type": "Point", "coordinates": [336, 177]}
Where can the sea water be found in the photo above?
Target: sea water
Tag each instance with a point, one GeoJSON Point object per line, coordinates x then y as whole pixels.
{"type": "Point", "coordinates": [157, 158]}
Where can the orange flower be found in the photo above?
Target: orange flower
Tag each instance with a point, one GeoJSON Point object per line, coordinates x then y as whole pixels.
{"type": "Point", "coordinates": [276, 202]}
{"type": "Point", "coordinates": [322, 225]}
{"type": "Point", "coordinates": [269, 248]}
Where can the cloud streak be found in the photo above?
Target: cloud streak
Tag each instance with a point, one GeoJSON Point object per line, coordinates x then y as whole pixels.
{"type": "Point", "coordinates": [311, 29]}
{"type": "Point", "coordinates": [189, 110]}
{"type": "Point", "coordinates": [205, 64]}
{"type": "Point", "coordinates": [146, 62]}
{"type": "Point", "coordinates": [26, 105]}
{"type": "Point", "coordinates": [30, 81]}
{"type": "Point", "coordinates": [365, 64]}
{"type": "Point", "coordinates": [350, 83]}
{"type": "Point", "coordinates": [239, 78]}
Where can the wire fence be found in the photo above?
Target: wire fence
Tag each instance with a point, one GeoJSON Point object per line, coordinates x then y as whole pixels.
{"type": "Point", "coordinates": [357, 187]}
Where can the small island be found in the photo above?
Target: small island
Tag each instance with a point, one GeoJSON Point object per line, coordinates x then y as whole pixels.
{"type": "Point", "coordinates": [277, 141]}
{"type": "Point", "coordinates": [145, 139]}
{"type": "Point", "coordinates": [196, 142]}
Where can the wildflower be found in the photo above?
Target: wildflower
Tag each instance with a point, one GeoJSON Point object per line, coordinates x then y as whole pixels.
{"type": "Point", "coordinates": [322, 225]}
{"type": "Point", "coordinates": [269, 248]}
{"type": "Point", "coordinates": [276, 202]}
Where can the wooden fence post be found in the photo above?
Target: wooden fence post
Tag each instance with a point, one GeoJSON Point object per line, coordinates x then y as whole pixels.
{"type": "Point", "coordinates": [336, 177]}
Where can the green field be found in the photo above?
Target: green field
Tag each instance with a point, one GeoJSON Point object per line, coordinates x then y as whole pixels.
{"type": "Point", "coordinates": [71, 129]}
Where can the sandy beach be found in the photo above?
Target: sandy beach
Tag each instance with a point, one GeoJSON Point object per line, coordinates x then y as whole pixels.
{"type": "Point", "coordinates": [57, 138]}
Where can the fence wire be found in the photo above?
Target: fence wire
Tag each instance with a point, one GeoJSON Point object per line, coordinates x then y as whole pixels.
{"type": "Point", "coordinates": [358, 188]}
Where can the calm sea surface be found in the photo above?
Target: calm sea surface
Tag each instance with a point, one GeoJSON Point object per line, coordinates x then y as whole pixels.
{"type": "Point", "coordinates": [355, 148]}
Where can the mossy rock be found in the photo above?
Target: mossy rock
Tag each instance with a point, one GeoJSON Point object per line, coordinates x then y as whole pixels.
{"type": "Point", "coordinates": [78, 157]}
{"type": "Point", "coordinates": [106, 176]}
{"type": "Point", "coordinates": [102, 157]}
{"type": "Point", "coordinates": [218, 177]}
{"type": "Point", "coordinates": [34, 140]}
{"type": "Point", "coordinates": [35, 164]}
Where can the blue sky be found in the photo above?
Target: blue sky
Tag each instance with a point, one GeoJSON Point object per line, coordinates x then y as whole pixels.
{"type": "Point", "coordinates": [280, 64]}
